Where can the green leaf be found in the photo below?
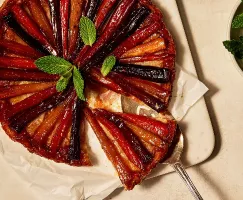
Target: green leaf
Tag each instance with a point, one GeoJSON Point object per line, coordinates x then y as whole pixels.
{"type": "Point", "coordinates": [62, 84]}
{"type": "Point", "coordinates": [108, 65]}
{"type": "Point", "coordinates": [87, 31]}
{"type": "Point", "coordinates": [78, 82]}
{"type": "Point", "coordinates": [238, 21]}
{"type": "Point", "coordinates": [68, 74]}
{"type": "Point", "coordinates": [53, 65]}
{"type": "Point", "coordinates": [235, 47]}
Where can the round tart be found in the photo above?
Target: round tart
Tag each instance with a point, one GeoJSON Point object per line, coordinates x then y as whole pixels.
{"type": "Point", "coordinates": [51, 123]}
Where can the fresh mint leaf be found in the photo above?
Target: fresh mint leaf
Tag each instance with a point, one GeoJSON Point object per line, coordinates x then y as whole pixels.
{"type": "Point", "coordinates": [238, 21]}
{"type": "Point", "coordinates": [62, 84]}
{"type": "Point", "coordinates": [68, 74]}
{"type": "Point", "coordinates": [235, 47]}
{"type": "Point", "coordinates": [56, 65]}
{"type": "Point", "coordinates": [78, 82]}
{"type": "Point", "coordinates": [87, 31]}
{"type": "Point", "coordinates": [108, 65]}
{"type": "Point", "coordinates": [53, 65]}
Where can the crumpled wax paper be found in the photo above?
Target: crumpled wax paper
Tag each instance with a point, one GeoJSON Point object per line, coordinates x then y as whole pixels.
{"type": "Point", "coordinates": [62, 182]}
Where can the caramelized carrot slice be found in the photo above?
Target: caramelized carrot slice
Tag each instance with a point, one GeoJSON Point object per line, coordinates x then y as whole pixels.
{"type": "Point", "coordinates": [145, 135]}
{"type": "Point", "coordinates": [74, 148]}
{"type": "Point", "coordinates": [130, 89]}
{"type": "Point", "coordinates": [39, 16]}
{"type": "Point", "coordinates": [135, 39]}
{"type": "Point", "coordinates": [144, 58]}
{"type": "Point", "coordinates": [96, 76]}
{"type": "Point", "coordinates": [128, 137]}
{"type": "Point", "coordinates": [147, 48]}
{"type": "Point", "coordinates": [55, 22]}
{"type": "Point", "coordinates": [165, 130]}
{"type": "Point", "coordinates": [18, 90]}
{"type": "Point", "coordinates": [4, 83]}
{"type": "Point", "coordinates": [31, 101]}
{"type": "Point", "coordinates": [103, 11]}
{"type": "Point", "coordinates": [64, 15]}
{"type": "Point", "coordinates": [76, 8]}
{"type": "Point", "coordinates": [21, 120]}
{"type": "Point", "coordinates": [161, 91]}
{"type": "Point", "coordinates": [48, 124]}
{"type": "Point", "coordinates": [23, 75]}
{"type": "Point", "coordinates": [30, 26]}
{"type": "Point", "coordinates": [113, 155]}
{"type": "Point", "coordinates": [46, 7]}
{"type": "Point", "coordinates": [19, 49]}
{"type": "Point", "coordinates": [154, 74]}
{"type": "Point", "coordinates": [92, 8]}
{"type": "Point", "coordinates": [62, 130]}
{"type": "Point", "coordinates": [19, 63]}
{"type": "Point", "coordinates": [123, 143]}
{"type": "Point", "coordinates": [19, 31]}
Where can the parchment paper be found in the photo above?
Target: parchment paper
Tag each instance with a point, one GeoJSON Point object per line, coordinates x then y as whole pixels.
{"type": "Point", "coordinates": [63, 182]}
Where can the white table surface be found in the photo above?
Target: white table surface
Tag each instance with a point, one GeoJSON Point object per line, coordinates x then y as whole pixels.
{"type": "Point", "coordinates": [221, 176]}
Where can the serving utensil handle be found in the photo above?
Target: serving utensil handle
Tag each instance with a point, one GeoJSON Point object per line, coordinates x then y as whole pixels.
{"type": "Point", "coordinates": [185, 177]}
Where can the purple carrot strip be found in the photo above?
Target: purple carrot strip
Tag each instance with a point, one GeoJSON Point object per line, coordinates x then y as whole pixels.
{"type": "Point", "coordinates": [64, 16]}
{"type": "Point", "coordinates": [56, 25]}
{"type": "Point", "coordinates": [159, 75]}
{"type": "Point", "coordinates": [93, 7]}
{"type": "Point", "coordinates": [74, 148]}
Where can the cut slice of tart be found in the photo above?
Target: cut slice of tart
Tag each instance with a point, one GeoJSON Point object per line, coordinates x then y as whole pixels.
{"type": "Point", "coordinates": [134, 144]}
{"type": "Point", "coordinates": [51, 123]}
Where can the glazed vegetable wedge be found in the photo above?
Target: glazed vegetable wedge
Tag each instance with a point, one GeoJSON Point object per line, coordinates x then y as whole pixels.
{"type": "Point", "coordinates": [134, 142]}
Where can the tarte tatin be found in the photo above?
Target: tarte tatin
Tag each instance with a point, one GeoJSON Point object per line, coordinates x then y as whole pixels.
{"type": "Point", "coordinates": [51, 123]}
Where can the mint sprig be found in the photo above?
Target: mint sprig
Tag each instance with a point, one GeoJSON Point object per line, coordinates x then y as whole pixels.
{"type": "Point", "coordinates": [88, 34]}
{"type": "Point", "coordinates": [238, 21]}
{"type": "Point", "coordinates": [59, 66]}
{"type": "Point", "coordinates": [53, 65]}
{"type": "Point", "coordinates": [235, 47]}
{"type": "Point", "coordinates": [78, 82]}
{"type": "Point", "coordinates": [87, 31]}
{"type": "Point", "coordinates": [108, 65]}
{"type": "Point", "coordinates": [62, 84]}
